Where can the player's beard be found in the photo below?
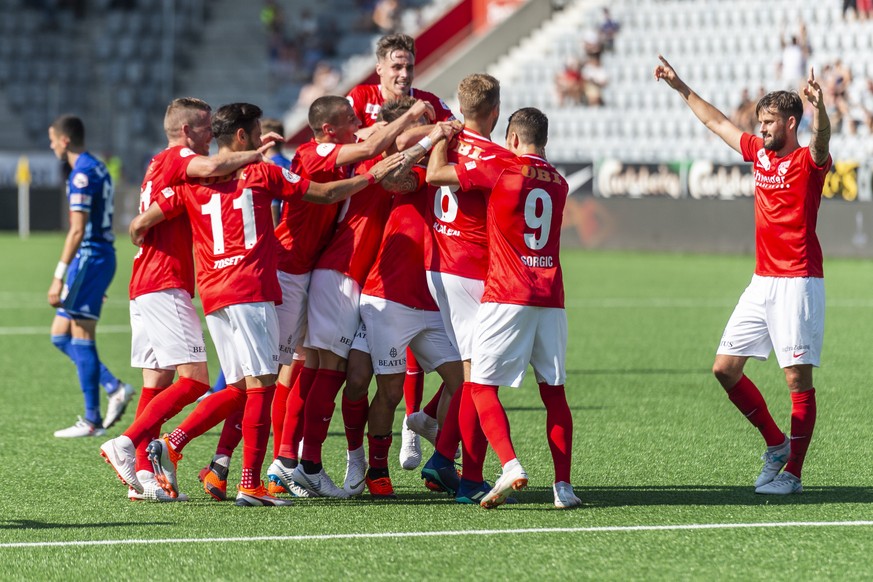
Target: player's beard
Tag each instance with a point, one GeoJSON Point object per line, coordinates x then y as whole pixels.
{"type": "Point", "coordinates": [774, 143]}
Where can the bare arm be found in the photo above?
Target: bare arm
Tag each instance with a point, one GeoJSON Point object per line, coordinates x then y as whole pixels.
{"type": "Point", "coordinates": [382, 138]}
{"type": "Point", "coordinates": [819, 143]}
{"type": "Point", "coordinates": [142, 223]}
{"type": "Point", "coordinates": [712, 118]}
{"type": "Point", "coordinates": [224, 163]}
{"type": "Point", "coordinates": [439, 172]}
{"type": "Point", "coordinates": [339, 190]}
{"type": "Point", "coordinates": [78, 223]}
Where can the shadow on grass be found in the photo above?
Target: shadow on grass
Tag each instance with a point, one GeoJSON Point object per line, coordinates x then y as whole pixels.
{"type": "Point", "coordinates": [704, 495]}
{"type": "Point", "coordinates": [31, 524]}
{"type": "Point", "coordinates": [641, 371]}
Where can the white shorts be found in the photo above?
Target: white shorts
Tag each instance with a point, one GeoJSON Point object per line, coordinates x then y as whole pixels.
{"type": "Point", "coordinates": [458, 299]}
{"type": "Point", "coordinates": [165, 331]}
{"type": "Point", "coordinates": [360, 341]}
{"type": "Point", "coordinates": [785, 314]}
{"type": "Point", "coordinates": [292, 314]}
{"type": "Point", "coordinates": [508, 337]}
{"type": "Point", "coordinates": [334, 312]}
{"type": "Point", "coordinates": [392, 327]}
{"type": "Point", "coordinates": [246, 337]}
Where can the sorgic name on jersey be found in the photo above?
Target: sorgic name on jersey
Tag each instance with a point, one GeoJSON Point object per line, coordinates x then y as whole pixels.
{"type": "Point", "coordinates": [228, 262]}
{"type": "Point", "coordinates": [537, 261]}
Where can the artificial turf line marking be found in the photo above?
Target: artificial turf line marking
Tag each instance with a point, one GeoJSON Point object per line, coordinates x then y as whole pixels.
{"type": "Point", "coordinates": [427, 534]}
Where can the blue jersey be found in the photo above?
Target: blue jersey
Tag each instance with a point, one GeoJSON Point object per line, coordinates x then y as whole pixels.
{"type": "Point", "coordinates": [282, 162]}
{"type": "Point", "coordinates": [89, 189]}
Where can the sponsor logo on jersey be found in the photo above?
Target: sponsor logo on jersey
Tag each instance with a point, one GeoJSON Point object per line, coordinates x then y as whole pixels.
{"type": "Point", "coordinates": [186, 152]}
{"type": "Point", "coordinates": [324, 149]}
{"type": "Point", "coordinates": [228, 262]}
{"type": "Point", "coordinates": [783, 167]}
{"type": "Point", "coordinates": [392, 352]}
{"type": "Point", "coordinates": [443, 229]}
{"type": "Point", "coordinates": [763, 160]}
{"type": "Point", "coordinates": [392, 363]}
{"type": "Point", "coordinates": [80, 180]}
{"type": "Point", "coordinates": [291, 176]}
{"type": "Point", "coordinates": [167, 192]}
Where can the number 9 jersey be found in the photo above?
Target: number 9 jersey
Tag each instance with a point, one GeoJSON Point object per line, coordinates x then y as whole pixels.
{"type": "Point", "coordinates": [89, 189]}
{"type": "Point", "coordinates": [525, 208]}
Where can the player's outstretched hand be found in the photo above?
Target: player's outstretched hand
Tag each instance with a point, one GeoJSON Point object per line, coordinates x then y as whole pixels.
{"type": "Point", "coordinates": [268, 140]}
{"type": "Point", "coordinates": [665, 71]}
{"type": "Point", "coordinates": [813, 90]}
{"type": "Point", "coordinates": [386, 165]}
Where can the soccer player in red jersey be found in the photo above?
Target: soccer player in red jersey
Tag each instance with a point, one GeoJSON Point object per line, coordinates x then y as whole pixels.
{"type": "Point", "coordinates": [304, 232]}
{"type": "Point", "coordinates": [456, 265]}
{"type": "Point", "coordinates": [236, 256]}
{"type": "Point", "coordinates": [521, 319]}
{"type": "Point", "coordinates": [166, 334]}
{"type": "Point", "coordinates": [783, 307]}
{"type": "Point", "coordinates": [395, 65]}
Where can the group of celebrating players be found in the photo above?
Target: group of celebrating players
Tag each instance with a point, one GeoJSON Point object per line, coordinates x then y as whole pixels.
{"type": "Point", "coordinates": [408, 243]}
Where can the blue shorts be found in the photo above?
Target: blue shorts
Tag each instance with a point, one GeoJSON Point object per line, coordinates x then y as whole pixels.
{"type": "Point", "coordinates": [88, 278]}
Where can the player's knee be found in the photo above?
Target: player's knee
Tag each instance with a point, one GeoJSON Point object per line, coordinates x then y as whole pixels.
{"type": "Point", "coordinates": [726, 374]}
{"type": "Point", "coordinates": [61, 342]}
{"type": "Point", "coordinates": [357, 385]}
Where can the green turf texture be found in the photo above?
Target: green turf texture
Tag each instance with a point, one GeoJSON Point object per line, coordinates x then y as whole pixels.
{"type": "Point", "coordinates": [656, 443]}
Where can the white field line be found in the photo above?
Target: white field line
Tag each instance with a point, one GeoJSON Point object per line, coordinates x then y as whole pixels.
{"type": "Point", "coordinates": [433, 534]}
{"type": "Point", "coordinates": [687, 303]}
{"type": "Point", "coordinates": [44, 329]}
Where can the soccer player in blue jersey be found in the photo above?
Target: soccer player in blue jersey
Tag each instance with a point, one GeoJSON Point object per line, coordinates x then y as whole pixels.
{"type": "Point", "coordinates": [88, 262]}
{"type": "Point", "coordinates": [275, 155]}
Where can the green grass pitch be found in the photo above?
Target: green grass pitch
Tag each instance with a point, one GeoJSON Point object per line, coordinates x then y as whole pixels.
{"type": "Point", "coordinates": [656, 444]}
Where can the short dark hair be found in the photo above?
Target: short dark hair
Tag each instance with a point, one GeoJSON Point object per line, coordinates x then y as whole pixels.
{"type": "Point", "coordinates": [785, 103]}
{"type": "Point", "coordinates": [71, 127]}
{"type": "Point", "coordinates": [229, 118]}
{"type": "Point", "coordinates": [272, 124]}
{"type": "Point", "coordinates": [394, 108]}
{"type": "Point", "coordinates": [394, 42]}
{"type": "Point", "coordinates": [531, 125]}
{"type": "Point", "coordinates": [181, 111]}
{"type": "Point", "coordinates": [325, 110]}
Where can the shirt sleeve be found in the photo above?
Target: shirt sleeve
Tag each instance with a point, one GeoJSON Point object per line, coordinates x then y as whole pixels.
{"type": "Point", "coordinates": [285, 184]}
{"type": "Point", "coordinates": [171, 201]}
{"type": "Point", "coordinates": [478, 175]}
{"type": "Point", "coordinates": [83, 186]}
{"type": "Point", "coordinates": [749, 145]}
{"type": "Point", "coordinates": [177, 169]}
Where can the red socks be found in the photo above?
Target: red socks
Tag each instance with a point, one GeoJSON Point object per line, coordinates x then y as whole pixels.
{"type": "Point", "coordinates": [495, 424]}
{"type": "Point", "coordinates": [559, 429]}
{"type": "Point", "coordinates": [473, 443]}
{"type": "Point", "coordinates": [803, 412]}
{"type": "Point", "coordinates": [355, 420]}
{"type": "Point", "coordinates": [379, 448]}
{"type": "Point", "coordinates": [212, 410]}
{"type": "Point", "coordinates": [142, 460]}
{"type": "Point", "coordinates": [318, 413]}
{"type": "Point", "coordinates": [256, 433]}
{"type": "Point", "coordinates": [280, 402]}
{"type": "Point", "coordinates": [748, 399]}
{"type": "Point", "coordinates": [231, 434]}
{"type": "Point", "coordinates": [450, 434]}
{"type": "Point", "coordinates": [292, 428]}
{"type": "Point", "coordinates": [163, 406]}
{"type": "Point", "coordinates": [413, 384]}
{"type": "Point", "coordinates": [431, 407]}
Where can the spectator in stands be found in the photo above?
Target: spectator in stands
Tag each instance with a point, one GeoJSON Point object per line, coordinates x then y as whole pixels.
{"type": "Point", "coordinates": [591, 43]}
{"type": "Point", "coordinates": [324, 82]}
{"type": "Point", "coordinates": [792, 66]}
{"type": "Point", "coordinates": [744, 116]}
{"type": "Point", "coordinates": [861, 106]}
{"type": "Point", "coordinates": [596, 79]}
{"type": "Point", "coordinates": [272, 17]}
{"type": "Point", "coordinates": [864, 9]}
{"type": "Point", "coordinates": [836, 78]}
{"type": "Point", "coordinates": [608, 29]}
{"type": "Point", "coordinates": [570, 84]}
{"type": "Point", "coordinates": [386, 16]}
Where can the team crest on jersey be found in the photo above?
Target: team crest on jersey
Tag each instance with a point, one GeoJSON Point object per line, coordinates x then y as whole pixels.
{"type": "Point", "coordinates": [783, 167]}
{"type": "Point", "coordinates": [167, 192]}
{"type": "Point", "coordinates": [80, 180]}
{"type": "Point", "coordinates": [763, 159]}
{"type": "Point", "coordinates": [443, 103]}
{"type": "Point", "coordinates": [393, 352]}
{"type": "Point", "coordinates": [186, 152]}
{"type": "Point", "coordinates": [290, 176]}
{"type": "Point", "coordinates": [323, 149]}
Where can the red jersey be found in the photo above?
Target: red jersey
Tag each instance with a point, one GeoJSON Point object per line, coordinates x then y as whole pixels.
{"type": "Point", "coordinates": [460, 246]}
{"type": "Point", "coordinates": [306, 228]}
{"type": "Point", "coordinates": [398, 273]}
{"type": "Point", "coordinates": [233, 232]}
{"type": "Point", "coordinates": [525, 206]}
{"type": "Point", "coordinates": [787, 197]}
{"type": "Point", "coordinates": [164, 260]}
{"type": "Point", "coordinates": [358, 235]}
{"type": "Point", "coordinates": [367, 102]}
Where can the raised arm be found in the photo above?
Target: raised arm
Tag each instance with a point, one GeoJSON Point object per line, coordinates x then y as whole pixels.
{"type": "Point", "coordinates": [223, 163]}
{"type": "Point", "coordinates": [382, 138]}
{"type": "Point", "coordinates": [819, 143]}
{"type": "Point", "coordinates": [339, 190]}
{"type": "Point", "coordinates": [714, 120]}
{"type": "Point", "coordinates": [439, 172]}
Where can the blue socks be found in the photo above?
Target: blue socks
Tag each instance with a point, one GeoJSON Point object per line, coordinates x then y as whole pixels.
{"type": "Point", "coordinates": [107, 380]}
{"type": "Point", "coordinates": [84, 354]}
